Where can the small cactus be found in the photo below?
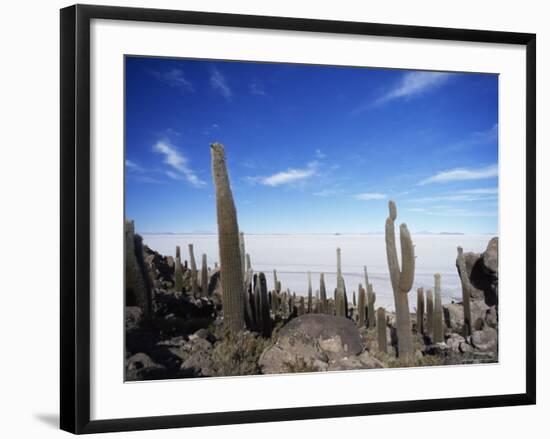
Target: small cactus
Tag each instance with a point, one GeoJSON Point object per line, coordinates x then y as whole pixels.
{"type": "Point", "coordinates": [361, 305]}
{"type": "Point", "coordinates": [194, 273]}
{"type": "Point", "coordinates": [381, 330]}
{"type": "Point", "coordinates": [429, 329]}
{"type": "Point", "coordinates": [178, 276]}
{"type": "Point", "coordinates": [340, 288]}
{"type": "Point", "coordinates": [323, 308]}
{"type": "Point", "coordinates": [309, 293]}
{"type": "Point", "coordinates": [401, 280]}
{"type": "Point", "coordinates": [302, 306]}
{"type": "Point", "coordinates": [204, 276]}
{"type": "Point", "coordinates": [466, 291]}
{"type": "Point", "coordinates": [265, 317]}
{"type": "Point", "coordinates": [438, 311]}
{"type": "Point", "coordinates": [228, 241]}
{"type": "Point", "coordinates": [371, 298]}
{"type": "Point", "coordinates": [275, 280]}
{"type": "Point", "coordinates": [420, 310]}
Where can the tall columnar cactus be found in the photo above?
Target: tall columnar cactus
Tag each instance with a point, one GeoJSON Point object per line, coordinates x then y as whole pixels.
{"type": "Point", "coordinates": [309, 293]}
{"type": "Point", "coordinates": [248, 263]}
{"type": "Point", "coordinates": [178, 276]}
{"type": "Point", "coordinates": [381, 330]}
{"type": "Point", "coordinates": [366, 276]}
{"type": "Point", "coordinates": [401, 280]}
{"type": "Point", "coordinates": [136, 277]}
{"type": "Point", "coordinates": [420, 310]}
{"type": "Point", "coordinates": [194, 273]}
{"type": "Point", "coordinates": [340, 289]}
{"type": "Point", "coordinates": [178, 252]}
{"type": "Point", "coordinates": [256, 301]}
{"type": "Point", "coordinates": [354, 300]}
{"type": "Point", "coordinates": [316, 308]}
{"type": "Point", "coordinates": [265, 317]}
{"type": "Point", "coordinates": [228, 241]}
{"type": "Point", "coordinates": [204, 276]}
{"type": "Point", "coordinates": [466, 292]}
{"type": "Point", "coordinates": [371, 298]}
{"type": "Point", "coordinates": [242, 252]}
{"type": "Point", "coordinates": [429, 329]}
{"type": "Point", "coordinates": [361, 305]}
{"type": "Point", "coordinates": [438, 310]}
{"type": "Point", "coordinates": [279, 287]}
{"type": "Point", "coordinates": [323, 308]}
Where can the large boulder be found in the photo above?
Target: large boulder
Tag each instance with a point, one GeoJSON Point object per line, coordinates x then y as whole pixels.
{"type": "Point", "coordinates": [454, 315]}
{"type": "Point", "coordinates": [314, 341]}
{"type": "Point", "coordinates": [482, 270]}
{"type": "Point", "coordinates": [490, 266]}
{"type": "Point", "coordinates": [485, 340]}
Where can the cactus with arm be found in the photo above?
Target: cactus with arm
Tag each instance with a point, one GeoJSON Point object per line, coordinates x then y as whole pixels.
{"type": "Point", "coordinates": [401, 280]}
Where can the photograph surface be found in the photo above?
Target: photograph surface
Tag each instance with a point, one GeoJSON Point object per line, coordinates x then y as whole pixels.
{"type": "Point", "coordinates": [285, 218]}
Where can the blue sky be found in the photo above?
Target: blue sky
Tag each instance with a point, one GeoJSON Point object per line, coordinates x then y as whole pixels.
{"type": "Point", "coordinates": [312, 149]}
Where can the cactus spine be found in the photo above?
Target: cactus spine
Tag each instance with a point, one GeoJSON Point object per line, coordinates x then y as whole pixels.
{"type": "Point", "coordinates": [371, 298]}
{"type": "Point", "coordinates": [381, 330]}
{"type": "Point", "coordinates": [401, 280]}
{"type": "Point", "coordinates": [361, 305]}
{"type": "Point", "coordinates": [309, 293]}
{"type": "Point", "coordinates": [438, 310]}
{"type": "Point", "coordinates": [228, 241]}
{"type": "Point", "coordinates": [420, 310]}
{"type": "Point", "coordinates": [429, 329]}
{"type": "Point", "coordinates": [194, 274]}
{"type": "Point", "coordinates": [466, 291]}
{"type": "Point", "coordinates": [323, 306]}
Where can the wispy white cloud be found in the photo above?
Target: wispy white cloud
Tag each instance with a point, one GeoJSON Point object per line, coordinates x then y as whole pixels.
{"type": "Point", "coordinates": [257, 88]}
{"type": "Point", "coordinates": [481, 191]}
{"type": "Point", "coordinates": [291, 175]}
{"type": "Point", "coordinates": [475, 139]}
{"type": "Point", "coordinates": [368, 196]}
{"type": "Point", "coordinates": [174, 78]}
{"type": "Point", "coordinates": [178, 162]}
{"type": "Point", "coordinates": [413, 84]}
{"type": "Point", "coordinates": [320, 154]}
{"type": "Point", "coordinates": [133, 166]}
{"type": "Point", "coordinates": [327, 193]}
{"type": "Point", "coordinates": [461, 174]}
{"type": "Point", "coordinates": [219, 84]}
{"type": "Point", "coordinates": [480, 194]}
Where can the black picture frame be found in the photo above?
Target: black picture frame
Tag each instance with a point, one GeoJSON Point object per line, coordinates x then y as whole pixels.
{"type": "Point", "coordinates": [75, 217]}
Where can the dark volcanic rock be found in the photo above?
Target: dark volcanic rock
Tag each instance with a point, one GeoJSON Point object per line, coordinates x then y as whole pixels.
{"type": "Point", "coordinates": [482, 270]}
{"type": "Point", "coordinates": [133, 316]}
{"type": "Point", "coordinates": [141, 367]}
{"type": "Point", "coordinates": [312, 339]}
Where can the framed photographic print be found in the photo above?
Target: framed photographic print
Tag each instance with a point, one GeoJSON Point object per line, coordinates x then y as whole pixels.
{"type": "Point", "coordinates": [268, 218]}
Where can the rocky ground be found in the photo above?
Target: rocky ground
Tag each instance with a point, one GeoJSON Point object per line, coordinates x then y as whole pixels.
{"type": "Point", "coordinates": [178, 334]}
